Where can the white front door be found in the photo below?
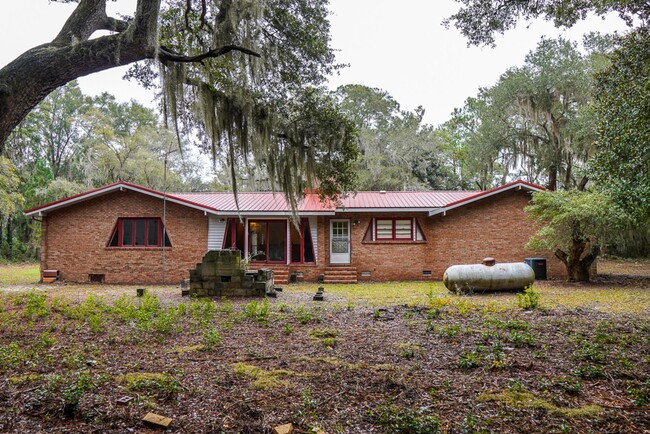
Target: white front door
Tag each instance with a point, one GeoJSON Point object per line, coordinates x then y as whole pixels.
{"type": "Point", "coordinates": [339, 241]}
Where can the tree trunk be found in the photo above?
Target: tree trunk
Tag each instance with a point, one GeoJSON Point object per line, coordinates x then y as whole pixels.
{"type": "Point", "coordinates": [578, 270]}
{"type": "Point", "coordinates": [552, 178]}
{"type": "Point", "coordinates": [37, 72]}
{"type": "Point", "coordinates": [10, 239]}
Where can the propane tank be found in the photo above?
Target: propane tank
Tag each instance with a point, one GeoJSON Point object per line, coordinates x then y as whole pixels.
{"type": "Point", "coordinates": [488, 276]}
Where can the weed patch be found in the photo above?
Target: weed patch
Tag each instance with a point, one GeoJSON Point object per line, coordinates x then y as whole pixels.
{"type": "Point", "coordinates": [323, 333]}
{"type": "Point", "coordinates": [263, 379]}
{"type": "Point", "coordinates": [528, 401]}
{"type": "Point", "coordinates": [405, 420]}
{"type": "Point", "coordinates": [409, 350]}
{"type": "Point", "coordinates": [520, 339]}
{"type": "Point", "coordinates": [306, 315]}
{"type": "Point", "coordinates": [26, 378]}
{"type": "Point", "coordinates": [639, 393]}
{"type": "Point", "coordinates": [152, 383]}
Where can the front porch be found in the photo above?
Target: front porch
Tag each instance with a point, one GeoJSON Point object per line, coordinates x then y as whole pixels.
{"type": "Point", "coordinates": [315, 247]}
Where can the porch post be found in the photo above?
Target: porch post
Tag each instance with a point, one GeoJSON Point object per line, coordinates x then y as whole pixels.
{"type": "Point", "coordinates": [288, 242]}
{"type": "Point", "coordinates": [245, 238]}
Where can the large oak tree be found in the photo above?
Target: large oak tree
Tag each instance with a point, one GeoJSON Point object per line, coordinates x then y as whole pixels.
{"type": "Point", "coordinates": [241, 75]}
{"type": "Point", "coordinates": [622, 98]}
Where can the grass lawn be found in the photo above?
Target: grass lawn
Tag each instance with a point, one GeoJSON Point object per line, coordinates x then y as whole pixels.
{"type": "Point", "coordinates": [375, 358]}
{"type": "Point", "coordinates": [19, 274]}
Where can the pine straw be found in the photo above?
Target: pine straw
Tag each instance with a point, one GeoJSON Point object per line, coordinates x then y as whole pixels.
{"type": "Point", "coordinates": [582, 363]}
{"type": "Point", "coordinates": [337, 388]}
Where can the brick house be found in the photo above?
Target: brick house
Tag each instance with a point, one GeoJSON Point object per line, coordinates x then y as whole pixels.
{"type": "Point", "coordinates": [116, 234]}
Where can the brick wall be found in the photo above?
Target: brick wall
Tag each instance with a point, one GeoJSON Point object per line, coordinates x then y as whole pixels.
{"type": "Point", "coordinates": [74, 240]}
{"type": "Point", "coordinates": [496, 227]}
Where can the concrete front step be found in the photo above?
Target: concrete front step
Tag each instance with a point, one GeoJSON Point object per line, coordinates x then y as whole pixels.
{"type": "Point", "coordinates": [340, 274]}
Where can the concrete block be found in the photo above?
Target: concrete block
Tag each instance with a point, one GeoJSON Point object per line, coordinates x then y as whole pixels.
{"type": "Point", "coordinates": [157, 420]}
{"type": "Point", "coordinates": [287, 428]}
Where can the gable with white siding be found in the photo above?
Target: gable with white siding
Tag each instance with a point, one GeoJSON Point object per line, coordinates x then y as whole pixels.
{"type": "Point", "coordinates": [216, 231]}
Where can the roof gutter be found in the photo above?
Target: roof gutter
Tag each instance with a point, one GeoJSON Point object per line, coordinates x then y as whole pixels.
{"type": "Point", "coordinates": [340, 210]}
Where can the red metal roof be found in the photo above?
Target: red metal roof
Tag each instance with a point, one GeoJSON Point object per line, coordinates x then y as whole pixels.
{"type": "Point", "coordinates": [224, 203]}
{"type": "Point", "coordinates": [253, 202]}
{"type": "Point", "coordinates": [403, 199]}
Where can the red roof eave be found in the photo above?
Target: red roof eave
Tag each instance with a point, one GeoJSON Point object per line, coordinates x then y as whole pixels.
{"type": "Point", "coordinates": [110, 187]}
{"type": "Point", "coordinates": [487, 193]}
{"type": "Point", "coordinates": [309, 207]}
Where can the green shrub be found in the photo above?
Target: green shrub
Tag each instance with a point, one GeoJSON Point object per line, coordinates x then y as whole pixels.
{"type": "Point", "coordinates": [96, 323]}
{"type": "Point", "coordinates": [35, 305]}
{"type": "Point", "coordinates": [72, 393]}
{"type": "Point", "coordinates": [497, 358]}
{"type": "Point", "coordinates": [640, 393]}
{"type": "Point", "coordinates": [451, 331]}
{"type": "Point", "coordinates": [211, 339]}
{"type": "Point", "coordinates": [46, 340]}
{"type": "Point", "coordinates": [409, 350]}
{"type": "Point", "coordinates": [59, 304]}
{"type": "Point", "coordinates": [124, 308]}
{"type": "Point", "coordinates": [12, 355]}
{"type": "Point", "coordinates": [146, 310]}
{"type": "Point", "coordinates": [529, 300]}
{"type": "Point", "coordinates": [165, 322]}
{"type": "Point", "coordinates": [202, 311]}
{"type": "Point", "coordinates": [258, 311]}
{"type": "Point", "coordinates": [308, 401]}
{"type": "Point", "coordinates": [226, 306]}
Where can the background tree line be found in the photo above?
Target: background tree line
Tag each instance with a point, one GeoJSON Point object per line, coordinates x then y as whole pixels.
{"type": "Point", "coordinates": [71, 143]}
{"type": "Point", "coordinates": [563, 118]}
{"type": "Point", "coordinates": [536, 123]}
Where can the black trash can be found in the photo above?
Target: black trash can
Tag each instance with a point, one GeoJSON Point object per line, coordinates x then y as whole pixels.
{"type": "Point", "coordinates": [539, 267]}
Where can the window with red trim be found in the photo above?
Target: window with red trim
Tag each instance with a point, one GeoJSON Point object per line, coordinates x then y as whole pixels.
{"type": "Point", "coordinates": [138, 232]}
{"type": "Point", "coordinates": [393, 229]}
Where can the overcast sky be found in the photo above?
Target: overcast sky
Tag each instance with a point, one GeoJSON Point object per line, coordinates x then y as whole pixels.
{"type": "Point", "coordinates": [400, 47]}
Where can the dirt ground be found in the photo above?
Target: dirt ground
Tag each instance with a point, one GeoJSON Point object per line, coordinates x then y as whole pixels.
{"type": "Point", "coordinates": [385, 358]}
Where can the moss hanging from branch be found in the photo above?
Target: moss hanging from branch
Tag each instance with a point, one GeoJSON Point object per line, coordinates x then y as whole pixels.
{"type": "Point", "coordinates": [257, 102]}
